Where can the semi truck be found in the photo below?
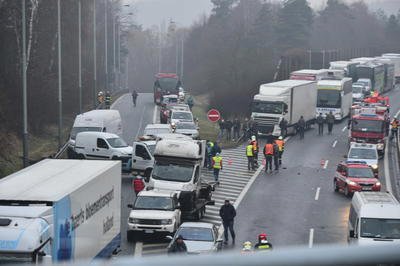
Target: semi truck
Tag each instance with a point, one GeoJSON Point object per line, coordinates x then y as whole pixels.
{"type": "Point", "coordinates": [60, 211]}
{"type": "Point", "coordinates": [390, 69]}
{"type": "Point", "coordinates": [165, 83]}
{"type": "Point", "coordinates": [309, 74]}
{"type": "Point", "coordinates": [177, 168]}
{"type": "Point", "coordinates": [374, 72]}
{"type": "Point", "coordinates": [288, 99]}
{"type": "Point", "coordinates": [395, 59]}
{"type": "Point", "coordinates": [348, 67]}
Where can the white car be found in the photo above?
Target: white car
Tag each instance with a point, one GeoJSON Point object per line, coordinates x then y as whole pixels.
{"type": "Point", "coordinates": [188, 129]}
{"type": "Point", "coordinates": [199, 237]}
{"type": "Point", "coordinates": [154, 211]}
{"type": "Point", "coordinates": [363, 152]}
{"type": "Point", "coordinates": [156, 129]}
{"type": "Point", "coordinates": [358, 90]}
{"type": "Point", "coordinates": [367, 83]}
{"type": "Point", "coordinates": [181, 116]}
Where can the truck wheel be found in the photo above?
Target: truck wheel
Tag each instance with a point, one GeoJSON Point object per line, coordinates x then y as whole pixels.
{"type": "Point", "coordinates": [335, 186]}
{"type": "Point", "coordinates": [130, 236]}
{"type": "Point", "coordinates": [80, 156]}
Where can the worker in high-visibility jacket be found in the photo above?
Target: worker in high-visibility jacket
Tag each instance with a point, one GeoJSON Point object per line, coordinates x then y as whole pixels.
{"type": "Point", "coordinates": [269, 154]}
{"type": "Point", "coordinates": [395, 126]}
{"type": "Point", "coordinates": [217, 166]}
{"type": "Point", "coordinates": [281, 147]}
{"type": "Point", "coordinates": [255, 150]}
{"type": "Point", "coordinates": [250, 156]}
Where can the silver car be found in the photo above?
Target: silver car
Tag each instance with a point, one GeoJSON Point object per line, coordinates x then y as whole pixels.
{"type": "Point", "coordinates": [199, 237]}
{"type": "Point", "coordinates": [188, 128]}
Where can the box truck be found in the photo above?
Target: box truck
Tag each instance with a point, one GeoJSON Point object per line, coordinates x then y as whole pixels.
{"type": "Point", "coordinates": [287, 99]}
{"type": "Point", "coordinates": [60, 210]}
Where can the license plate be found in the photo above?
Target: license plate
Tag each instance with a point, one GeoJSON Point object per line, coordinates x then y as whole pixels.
{"type": "Point", "coordinates": [366, 188]}
{"type": "Point", "coordinates": [149, 231]}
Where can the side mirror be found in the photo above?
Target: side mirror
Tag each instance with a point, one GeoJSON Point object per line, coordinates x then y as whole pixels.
{"type": "Point", "coordinates": [130, 206]}
{"type": "Point", "coordinates": [169, 238]}
{"type": "Point", "coordinates": [351, 233]}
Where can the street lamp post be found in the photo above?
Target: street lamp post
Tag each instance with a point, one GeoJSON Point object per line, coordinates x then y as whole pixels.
{"type": "Point", "coordinates": [59, 75]}
{"type": "Point", "coordinates": [80, 54]}
{"type": "Point", "coordinates": [94, 56]}
{"type": "Point", "coordinates": [24, 90]}
{"type": "Point", "coordinates": [105, 44]}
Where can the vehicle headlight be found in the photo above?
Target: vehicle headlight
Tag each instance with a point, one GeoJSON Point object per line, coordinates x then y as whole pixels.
{"type": "Point", "coordinates": [378, 184]}
{"type": "Point", "coordinates": [133, 220]}
{"type": "Point", "coordinates": [379, 146]}
{"type": "Point", "coordinates": [351, 183]}
{"type": "Point", "coordinates": [374, 166]}
{"type": "Point", "coordinates": [166, 221]}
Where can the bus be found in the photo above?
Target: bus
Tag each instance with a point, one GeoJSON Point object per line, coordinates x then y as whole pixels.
{"type": "Point", "coordinates": [334, 95]}
{"type": "Point", "coordinates": [375, 72]}
{"type": "Point", "coordinates": [166, 83]}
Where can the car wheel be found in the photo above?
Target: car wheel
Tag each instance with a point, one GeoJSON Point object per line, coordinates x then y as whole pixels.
{"type": "Point", "coordinates": [335, 186]}
{"type": "Point", "coordinates": [130, 236]}
{"type": "Point", "coordinates": [80, 156]}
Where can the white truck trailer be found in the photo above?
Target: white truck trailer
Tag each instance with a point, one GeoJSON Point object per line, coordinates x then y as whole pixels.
{"type": "Point", "coordinates": [60, 210]}
{"type": "Point", "coordinates": [287, 99]}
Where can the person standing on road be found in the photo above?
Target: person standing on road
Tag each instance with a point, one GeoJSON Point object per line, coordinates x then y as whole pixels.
{"type": "Point", "coordinates": [255, 150]}
{"type": "Point", "coordinates": [320, 121]}
{"type": "Point", "coordinates": [250, 156]}
{"type": "Point", "coordinates": [190, 102]}
{"type": "Point", "coordinates": [228, 128]}
{"type": "Point", "coordinates": [283, 126]}
{"type": "Point", "coordinates": [276, 156]}
{"type": "Point", "coordinates": [178, 246]}
{"type": "Point", "coordinates": [108, 100]}
{"type": "Point", "coordinates": [268, 153]}
{"type": "Point", "coordinates": [209, 154]}
{"type": "Point", "coordinates": [236, 129]}
{"type": "Point", "coordinates": [330, 120]}
{"type": "Point", "coordinates": [301, 126]}
{"type": "Point", "coordinates": [395, 126]}
{"type": "Point", "coordinates": [221, 124]}
{"type": "Point", "coordinates": [246, 129]}
{"type": "Point", "coordinates": [228, 214]}
{"type": "Point", "coordinates": [134, 97]}
{"type": "Point", "coordinates": [217, 166]}
{"type": "Point", "coordinates": [281, 147]}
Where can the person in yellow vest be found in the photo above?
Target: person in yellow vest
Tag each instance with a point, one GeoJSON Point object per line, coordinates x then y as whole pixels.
{"type": "Point", "coordinates": [281, 147]}
{"type": "Point", "coordinates": [255, 150]}
{"type": "Point", "coordinates": [217, 166]}
{"type": "Point", "coordinates": [263, 244]}
{"type": "Point", "coordinates": [250, 156]}
{"type": "Point", "coordinates": [395, 126]}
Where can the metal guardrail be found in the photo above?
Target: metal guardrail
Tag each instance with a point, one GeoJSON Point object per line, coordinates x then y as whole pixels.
{"type": "Point", "coordinates": [385, 254]}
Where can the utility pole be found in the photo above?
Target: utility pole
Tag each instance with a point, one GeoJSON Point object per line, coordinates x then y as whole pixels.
{"type": "Point", "coordinates": [60, 125]}
{"type": "Point", "coordinates": [310, 58]}
{"type": "Point", "coordinates": [105, 43]}
{"type": "Point", "coordinates": [323, 58]}
{"type": "Point", "coordinates": [114, 38]}
{"type": "Point", "coordinates": [94, 56]}
{"type": "Point", "coordinates": [80, 54]}
{"type": "Point", "coordinates": [183, 53]}
{"type": "Point", "coordinates": [119, 54]}
{"type": "Point", "coordinates": [25, 159]}
{"type": "Point", "coordinates": [126, 72]}
{"type": "Point", "coordinates": [159, 50]}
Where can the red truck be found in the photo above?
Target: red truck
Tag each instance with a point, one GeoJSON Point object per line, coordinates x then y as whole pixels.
{"type": "Point", "coordinates": [369, 126]}
{"type": "Point", "coordinates": [166, 83]}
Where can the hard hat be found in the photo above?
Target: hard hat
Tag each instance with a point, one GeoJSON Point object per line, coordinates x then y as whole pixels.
{"type": "Point", "coordinates": [253, 138]}
{"type": "Point", "coordinates": [262, 236]}
{"type": "Point", "coordinates": [217, 154]}
{"type": "Point", "coordinates": [139, 177]}
{"type": "Point", "coordinates": [247, 245]}
{"type": "Point", "coordinates": [280, 137]}
{"type": "Point", "coordinates": [264, 241]}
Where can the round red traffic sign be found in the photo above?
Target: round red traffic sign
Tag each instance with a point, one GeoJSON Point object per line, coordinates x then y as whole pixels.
{"type": "Point", "coordinates": [213, 115]}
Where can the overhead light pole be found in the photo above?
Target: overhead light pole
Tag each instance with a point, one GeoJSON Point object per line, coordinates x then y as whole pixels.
{"type": "Point", "coordinates": [25, 143]}
{"type": "Point", "coordinates": [80, 54]}
{"type": "Point", "coordinates": [60, 124]}
{"type": "Point", "coordinates": [105, 44]}
{"type": "Point", "coordinates": [94, 57]}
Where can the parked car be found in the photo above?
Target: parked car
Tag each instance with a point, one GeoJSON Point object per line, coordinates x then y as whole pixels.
{"type": "Point", "coordinates": [156, 129]}
{"type": "Point", "coordinates": [188, 129]}
{"type": "Point", "coordinates": [199, 237]}
{"type": "Point", "coordinates": [353, 176]}
{"type": "Point", "coordinates": [181, 116]}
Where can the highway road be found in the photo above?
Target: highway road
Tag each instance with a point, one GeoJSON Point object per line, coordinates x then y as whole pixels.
{"type": "Point", "coordinates": [296, 206]}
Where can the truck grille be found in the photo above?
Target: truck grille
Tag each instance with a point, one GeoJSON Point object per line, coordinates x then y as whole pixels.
{"type": "Point", "coordinates": [266, 121]}
{"type": "Point", "coordinates": [149, 221]}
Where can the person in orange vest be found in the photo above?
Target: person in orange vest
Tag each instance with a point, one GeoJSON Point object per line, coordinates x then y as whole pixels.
{"type": "Point", "coordinates": [281, 147]}
{"type": "Point", "coordinates": [269, 154]}
{"type": "Point", "coordinates": [255, 150]}
{"type": "Point", "coordinates": [395, 126]}
{"type": "Point", "coordinates": [217, 166]}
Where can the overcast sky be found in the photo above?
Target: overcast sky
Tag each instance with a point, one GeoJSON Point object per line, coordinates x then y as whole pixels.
{"type": "Point", "coordinates": [185, 12]}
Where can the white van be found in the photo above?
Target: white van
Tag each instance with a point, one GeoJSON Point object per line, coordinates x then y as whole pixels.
{"type": "Point", "coordinates": [95, 120]}
{"type": "Point", "coordinates": [374, 219]}
{"type": "Point", "coordinates": [103, 146]}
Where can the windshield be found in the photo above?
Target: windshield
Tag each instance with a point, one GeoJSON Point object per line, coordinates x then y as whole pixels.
{"type": "Point", "coordinates": [267, 107]}
{"type": "Point", "coordinates": [117, 143]}
{"type": "Point", "coordinates": [185, 126]}
{"type": "Point", "coordinates": [360, 153]}
{"type": "Point", "coordinates": [170, 84]}
{"type": "Point", "coordinates": [374, 126]}
{"type": "Point", "coordinates": [357, 89]}
{"type": "Point", "coordinates": [196, 234]}
{"type": "Point", "coordinates": [380, 228]}
{"type": "Point", "coordinates": [364, 82]}
{"type": "Point", "coordinates": [172, 172]}
{"type": "Point", "coordinates": [76, 130]}
{"type": "Point", "coordinates": [155, 131]}
{"type": "Point", "coordinates": [153, 203]}
{"type": "Point", "coordinates": [361, 172]}
{"type": "Point", "coordinates": [182, 116]}
{"type": "Point", "coordinates": [329, 98]}
{"type": "Point", "coordinates": [151, 148]}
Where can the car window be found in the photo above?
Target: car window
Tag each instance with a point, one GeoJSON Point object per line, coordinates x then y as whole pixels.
{"type": "Point", "coordinates": [101, 143]}
{"type": "Point", "coordinates": [360, 153]}
{"type": "Point", "coordinates": [196, 234]}
{"type": "Point", "coordinates": [141, 152]}
{"type": "Point", "coordinates": [361, 172]}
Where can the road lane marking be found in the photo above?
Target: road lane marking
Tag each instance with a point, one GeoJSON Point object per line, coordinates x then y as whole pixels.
{"type": "Point", "coordinates": [344, 129]}
{"type": "Point", "coordinates": [388, 181]}
{"type": "Point", "coordinates": [140, 123]}
{"type": "Point", "coordinates": [138, 249]}
{"type": "Point", "coordinates": [311, 238]}
{"type": "Point", "coordinates": [317, 193]}
{"type": "Point", "coordinates": [334, 144]}
{"type": "Point", "coordinates": [155, 114]}
{"type": "Point", "coordinates": [326, 164]}
{"type": "Point", "coordinates": [247, 187]}
{"type": "Point", "coordinates": [118, 100]}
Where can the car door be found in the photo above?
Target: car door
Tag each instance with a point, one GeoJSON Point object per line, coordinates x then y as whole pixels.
{"type": "Point", "coordinates": [141, 157]}
{"type": "Point", "coordinates": [101, 151]}
{"type": "Point", "coordinates": [341, 180]}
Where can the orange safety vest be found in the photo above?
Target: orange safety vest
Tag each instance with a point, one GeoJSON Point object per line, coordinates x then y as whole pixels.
{"type": "Point", "coordinates": [280, 143]}
{"type": "Point", "coordinates": [395, 124]}
{"type": "Point", "coordinates": [255, 145]}
{"type": "Point", "coordinates": [269, 149]}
